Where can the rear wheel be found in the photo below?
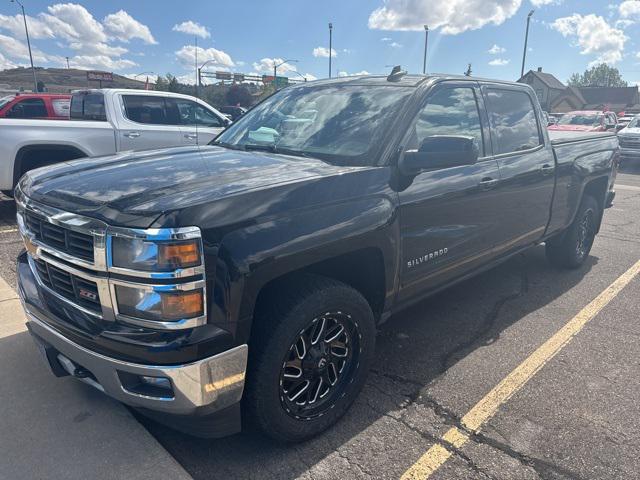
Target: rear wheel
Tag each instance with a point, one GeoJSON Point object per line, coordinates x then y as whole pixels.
{"type": "Point", "coordinates": [572, 248]}
{"type": "Point", "coordinates": [310, 354]}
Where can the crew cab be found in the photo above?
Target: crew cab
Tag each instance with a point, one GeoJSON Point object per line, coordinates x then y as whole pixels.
{"type": "Point", "coordinates": [35, 105]}
{"type": "Point", "coordinates": [104, 122]}
{"type": "Point", "coordinates": [245, 280]}
{"type": "Point", "coordinates": [586, 121]}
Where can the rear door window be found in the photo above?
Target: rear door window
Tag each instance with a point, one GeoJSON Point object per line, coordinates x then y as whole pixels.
{"type": "Point", "coordinates": [514, 126]}
{"type": "Point", "coordinates": [150, 110]}
{"type": "Point", "coordinates": [60, 107]}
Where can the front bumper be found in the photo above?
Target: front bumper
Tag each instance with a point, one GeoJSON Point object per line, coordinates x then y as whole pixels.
{"type": "Point", "coordinates": [197, 388]}
{"type": "Point", "coordinates": [630, 153]}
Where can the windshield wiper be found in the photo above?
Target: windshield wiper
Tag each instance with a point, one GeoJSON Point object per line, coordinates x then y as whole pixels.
{"type": "Point", "coordinates": [267, 147]}
{"type": "Point", "coordinates": [230, 146]}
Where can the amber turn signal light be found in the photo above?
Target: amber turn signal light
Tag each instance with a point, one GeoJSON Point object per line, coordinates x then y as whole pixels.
{"type": "Point", "coordinates": [183, 305]}
{"type": "Point", "coordinates": [179, 255]}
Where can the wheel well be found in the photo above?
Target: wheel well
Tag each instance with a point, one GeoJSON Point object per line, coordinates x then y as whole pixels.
{"type": "Point", "coordinates": [34, 156]}
{"type": "Point", "coordinates": [598, 189]}
{"type": "Point", "coordinates": [363, 270]}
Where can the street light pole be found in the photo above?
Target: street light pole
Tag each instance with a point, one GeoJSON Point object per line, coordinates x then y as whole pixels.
{"type": "Point", "coordinates": [26, 31]}
{"type": "Point", "coordinates": [526, 40]}
{"type": "Point", "coordinates": [330, 46]}
{"type": "Point", "coordinates": [426, 43]}
{"type": "Point", "coordinates": [275, 70]}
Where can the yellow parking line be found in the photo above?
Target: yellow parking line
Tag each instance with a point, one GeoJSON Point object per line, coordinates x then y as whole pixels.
{"type": "Point", "coordinates": [486, 408]}
{"type": "Point", "coordinates": [7, 230]}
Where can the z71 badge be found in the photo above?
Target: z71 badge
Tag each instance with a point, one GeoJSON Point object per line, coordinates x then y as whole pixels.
{"type": "Point", "coordinates": [427, 257]}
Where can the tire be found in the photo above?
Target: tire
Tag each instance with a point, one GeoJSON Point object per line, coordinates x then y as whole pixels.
{"type": "Point", "coordinates": [310, 307]}
{"type": "Point", "coordinates": [571, 249]}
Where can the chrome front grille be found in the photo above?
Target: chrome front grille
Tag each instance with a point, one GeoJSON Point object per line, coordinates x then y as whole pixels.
{"type": "Point", "coordinates": [70, 256]}
{"type": "Point", "coordinates": [629, 142]}
{"type": "Point", "coordinates": [62, 239]}
{"type": "Point", "coordinates": [72, 287]}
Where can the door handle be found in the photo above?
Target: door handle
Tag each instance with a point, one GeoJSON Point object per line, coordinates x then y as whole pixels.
{"type": "Point", "coordinates": [191, 136]}
{"type": "Point", "coordinates": [487, 183]}
{"type": "Point", "coordinates": [547, 169]}
{"type": "Point", "coordinates": [132, 134]}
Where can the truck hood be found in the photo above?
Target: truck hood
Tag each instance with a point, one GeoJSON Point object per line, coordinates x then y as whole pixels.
{"type": "Point", "coordinates": [134, 188]}
{"type": "Point", "coordinates": [631, 132]}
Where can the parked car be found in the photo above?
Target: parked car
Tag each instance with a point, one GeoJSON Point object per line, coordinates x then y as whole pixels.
{"type": "Point", "coordinates": [549, 119]}
{"type": "Point", "coordinates": [629, 138]}
{"type": "Point", "coordinates": [246, 279]}
{"type": "Point", "coordinates": [586, 121]}
{"type": "Point", "coordinates": [35, 105]}
{"type": "Point", "coordinates": [235, 112]}
{"type": "Point", "coordinates": [103, 122]}
{"type": "Point", "coordinates": [623, 121]}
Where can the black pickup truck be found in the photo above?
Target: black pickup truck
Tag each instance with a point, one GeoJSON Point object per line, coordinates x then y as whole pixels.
{"type": "Point", "coordinates": [243, 281]}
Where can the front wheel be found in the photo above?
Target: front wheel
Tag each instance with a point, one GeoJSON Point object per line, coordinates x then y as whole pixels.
{"type": "Point", "coordinates": [309, 357]}
{"type": "Point", "coordinates": [572, 249]}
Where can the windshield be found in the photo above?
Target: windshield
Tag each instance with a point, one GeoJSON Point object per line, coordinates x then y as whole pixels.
{"type": "Point", "coordinates": [5, 100]}
{"type": "Point", "coordinates": [340, 124]}
{"type": "Point", "coordinates": [634, 123]}
{"type": "Point", "coordinates": [590, 120]}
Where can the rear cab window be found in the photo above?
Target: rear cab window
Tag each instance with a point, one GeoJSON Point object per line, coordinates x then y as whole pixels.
{"type": "Point", "coordinates": [28, 108]}
{"type": "Point", "coordinates": [88, 106]}
{"type": "Point", "coordinates": [513, 120]}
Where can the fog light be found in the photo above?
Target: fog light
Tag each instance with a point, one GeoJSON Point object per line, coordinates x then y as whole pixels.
{"type": "Point", "coordinates": [154, 387]}
{"type": "Point", "coordinates": [160, 382]}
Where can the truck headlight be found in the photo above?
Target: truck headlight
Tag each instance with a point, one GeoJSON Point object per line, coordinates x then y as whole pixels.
{"type": "Point", "coordinates": [155, 256]}
{"type": "Point", "coordinates": [159, 303]}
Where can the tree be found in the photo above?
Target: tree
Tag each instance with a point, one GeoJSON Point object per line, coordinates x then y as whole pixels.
{"type": "Point", "coordinates": [468, 71]}
{"type": "Point", "coordinates": [239, 95]}
{"type": "Point", "coordinates": [41, 86]}
{"type": "Point", "coordinates": [601, 75]}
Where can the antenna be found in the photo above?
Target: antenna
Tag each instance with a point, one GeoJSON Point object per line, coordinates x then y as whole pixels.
{"type": "Point", "coordinates": [197, 98]}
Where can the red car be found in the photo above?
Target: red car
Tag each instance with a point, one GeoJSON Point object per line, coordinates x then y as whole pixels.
{"type": "Point", "coordinates": [35, 105]}
{"type": "Point", "coordinates": [586, 121]}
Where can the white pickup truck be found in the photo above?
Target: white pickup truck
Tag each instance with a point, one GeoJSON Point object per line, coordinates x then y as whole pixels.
{"type": "Point", "coordinates": [104, 122]}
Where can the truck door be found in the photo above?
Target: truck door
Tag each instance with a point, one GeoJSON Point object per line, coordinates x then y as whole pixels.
{"type": "Point", "coordinates": [200, 125]}
{"type": "Point", "coordinates": [527, 167]}
{"type": "Point", "coordinates": [149, 122]}
{"type": "Point", "coordinates": [448, 216]}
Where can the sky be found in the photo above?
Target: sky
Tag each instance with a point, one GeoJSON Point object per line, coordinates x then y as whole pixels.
{"type": "Point", "coordinates": [369, 36]}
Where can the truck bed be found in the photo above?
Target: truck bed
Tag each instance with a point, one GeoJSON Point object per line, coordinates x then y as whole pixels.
{"type": "Point", "coordinates": [558, 137]}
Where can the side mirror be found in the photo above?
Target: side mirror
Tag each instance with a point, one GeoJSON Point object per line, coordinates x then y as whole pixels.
{"type": "Point", "coordinates": [440, 151]}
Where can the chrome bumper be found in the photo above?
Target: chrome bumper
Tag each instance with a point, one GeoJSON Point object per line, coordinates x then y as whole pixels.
{"type": "Point", "coordinates": [207, 385]}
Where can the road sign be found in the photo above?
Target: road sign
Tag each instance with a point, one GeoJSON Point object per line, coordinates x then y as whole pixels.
{"type": "Point", "coordinates": [280, 81]}
{"type": "Point", "coordinates": [224, 75]}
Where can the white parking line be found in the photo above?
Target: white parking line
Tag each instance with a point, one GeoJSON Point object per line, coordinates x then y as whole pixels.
{"type": "Point", "coordinates": [8, 230]}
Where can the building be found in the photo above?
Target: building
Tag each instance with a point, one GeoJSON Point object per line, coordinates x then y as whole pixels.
{"type": "Point", "coordinates": [547, 87]}
{"type": "Point", "coordinates": [555, 97]}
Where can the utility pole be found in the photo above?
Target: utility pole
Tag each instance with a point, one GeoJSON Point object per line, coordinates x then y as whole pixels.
{"type": "Point", "coordinates": [426, 43]}
{"type": "Point", "coordinates": [196, 63]}
{"type": "Point", "coordinates": [468, 72]}
{"type": "Point", "coordinates": [26, 31]}
{"type": "Point", "coordinates": [67, 62]}
{"type": "Point", "coordinates": [526, 40]}
{"type": "Point", "coordinates": [330, 46]}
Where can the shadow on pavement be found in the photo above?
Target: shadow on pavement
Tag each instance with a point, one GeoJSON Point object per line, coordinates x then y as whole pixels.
{"type": "Point", "coordinates": [414, 348]}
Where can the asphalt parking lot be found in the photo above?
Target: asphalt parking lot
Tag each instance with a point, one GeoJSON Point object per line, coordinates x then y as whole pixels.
{"type": "Point", "coordinates": [577, 418]}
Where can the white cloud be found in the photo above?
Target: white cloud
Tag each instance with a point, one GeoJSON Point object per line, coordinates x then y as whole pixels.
{"type": "Point", "coordinates": [310, 77]}
{"type": "Point", "coordinates": [629, 9]}
{"type": "Point", "coordinates": [100, 62]}
{"type": "Point", "coordinates": [452, 16]}
{"type": "Point", "coordinates": [37, 28]}
{"type": "Point", "coordinates": [395, 45]}
{"type": "Point", "coordinates": [189, 79]}
{"type": "Point", "coordinates": [594, 36]}
{"type": "Point", "coordinates": [98, 49]}
{"type": "Point", "coordinates": [14, 48]}
{"type": "Point", "coordinates": [385, 39]}
{"type": "Point", "coordinates": [5, 63]}
{"type": "Point", "coordinates": [141, 78]}
{"type": "Point", "coordinates": [324, 52]}
{"type": "Point", "coordinates": [192, 28]}
{"type": "Point", "coordinates": [540, 3]}
{"type": "Point", "coordinates": [265, 65]}
{"type": "Point", "coordinates": [73, 22]}
{"type": "Point", "coordinates": [124, 27]}
{"type": "Point", "coordinates": [496, 49]}
{"type": "Point", "coordinates": [219, 59]}
{"type": "Point", "coordinates": [347, 74]}
{"type": "Point", "coordinates": [499, 62]}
